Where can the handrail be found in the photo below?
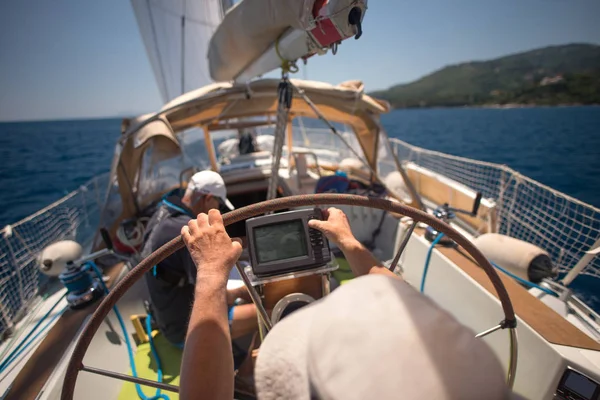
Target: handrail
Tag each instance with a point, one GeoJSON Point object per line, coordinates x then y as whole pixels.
{"type": "Point", "coordinates": [74, 216]}
{"type": "Point", "coordinates": [502, 167]}
{"type": "Point", "coordinates": [526, 209]}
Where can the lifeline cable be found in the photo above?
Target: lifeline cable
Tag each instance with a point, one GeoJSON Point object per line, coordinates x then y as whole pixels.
{"type": "Point", "coordinates": [6, 361]}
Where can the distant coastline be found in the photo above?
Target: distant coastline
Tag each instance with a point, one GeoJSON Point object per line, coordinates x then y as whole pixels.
{"type": "Point", "coordinates": [499, 106]}
{"type": "Point", "coordinates": [517, 105]}
{"type": "Point", "coordinates": [567, 75]}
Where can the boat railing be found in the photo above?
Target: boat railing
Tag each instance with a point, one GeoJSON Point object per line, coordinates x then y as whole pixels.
{"type": "Point", "coordinates": [528, 210]}
{"type": "Point", "coordinates": [76, 216]}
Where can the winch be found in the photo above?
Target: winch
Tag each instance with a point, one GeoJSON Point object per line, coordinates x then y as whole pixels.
{"type": "Point", "coordinates": [78, 274]}
{"type": "Point", "coordinates": [447, 213]}
{"type": "Point", "coordinates": [83, 288]}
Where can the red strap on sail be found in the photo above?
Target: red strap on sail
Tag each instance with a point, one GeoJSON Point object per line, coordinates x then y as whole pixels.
{"type": "Point", "coordinates": [317, 7]}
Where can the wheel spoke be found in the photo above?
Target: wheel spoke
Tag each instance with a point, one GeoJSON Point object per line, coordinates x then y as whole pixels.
{"type": "Point", "coordinates": [262, 313]}
{"type": "Point", "coordinates": [514, 355]}
{"type": "Point", "coordinates": [243, 213]}
{"type": "Point", "coordinates": [407, 236]}
{"type": "Point", "coordinates": [123, 377]}
{"type": "Point", "coordinates": [488, 331]}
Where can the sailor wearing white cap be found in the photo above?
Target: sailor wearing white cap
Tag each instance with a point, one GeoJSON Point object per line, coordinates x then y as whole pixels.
{"type": "Point", "coordinates": [171, 283]}
{"type": "Point", "coordinates": [206, 186]}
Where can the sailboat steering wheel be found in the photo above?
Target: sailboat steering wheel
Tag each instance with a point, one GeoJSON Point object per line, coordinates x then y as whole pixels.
{"type": "Point", "coordinates": [76, 362]}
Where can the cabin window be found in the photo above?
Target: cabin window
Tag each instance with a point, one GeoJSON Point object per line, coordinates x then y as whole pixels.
{"type": "Point", "coordinates": [311, 133]}
{"type": "Point", "coordinates": [193, 148]}
{"type": "Point", "coordinates": [387, 169]}
{"type": "Point", "coordinates": [160, 169]}
{"type": "Point", "coordinates": [385, 157]}
{"type": "Point", "coordinates": [113, 206]}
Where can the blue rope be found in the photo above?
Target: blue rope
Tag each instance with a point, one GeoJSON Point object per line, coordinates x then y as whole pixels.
{"type": "Point", "coordinates": [18, 350]}
{"type": "Point", "coordinates": [428, 258]}
{"type": "Point", "coordinates": [155, 354]}
{"type": "Point", "coordinates": [11, 358]}
{"type": "Point", "coordinates": [515, 277]}
{"type": "Point", "coordinates": [525, 282]}
{"type": "Point", "coordinates": [138, 388]}
{"type": "Point", "coordinates": [174, 207]}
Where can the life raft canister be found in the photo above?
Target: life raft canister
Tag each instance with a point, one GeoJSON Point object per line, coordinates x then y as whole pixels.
{"type": "Point", "coordinates": [337, 20]}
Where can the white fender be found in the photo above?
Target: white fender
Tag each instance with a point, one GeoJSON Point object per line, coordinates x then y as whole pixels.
{"type": "Point", "coordinates": [395, 183]}
{"type": "Point", "coordinates": [54, 258]}
{"type": "Point", "coordinates": [523, 259]}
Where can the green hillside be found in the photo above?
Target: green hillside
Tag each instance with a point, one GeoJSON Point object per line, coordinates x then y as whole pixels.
{"type": "Point", "coordinates": [517, 78]}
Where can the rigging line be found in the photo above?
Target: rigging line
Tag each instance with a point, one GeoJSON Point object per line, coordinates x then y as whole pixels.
{"type": "Point", "coordinates": [285, 95]}
{"type": "Point", "coordinates": [377, 136]}
{"type": "Point", "coordinates": [331, 127]}
{"type": "Point", "coordinates": [129, 186]}
{"type": "Point", "coordinates": [221, 115]}
{"type": "Point", "coordinates": [183, 48]}
{"type": "Point", "coordinates": [160, 67]}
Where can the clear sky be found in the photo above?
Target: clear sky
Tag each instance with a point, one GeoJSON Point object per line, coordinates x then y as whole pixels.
{"type": "Point", "coordinates": [84, 58]}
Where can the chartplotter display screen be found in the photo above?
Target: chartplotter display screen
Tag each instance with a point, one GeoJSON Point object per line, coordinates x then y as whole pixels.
{"type": "Point", "coordinates": [280, 241]}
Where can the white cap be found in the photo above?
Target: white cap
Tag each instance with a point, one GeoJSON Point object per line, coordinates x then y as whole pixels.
{"type": "Point", "coordinates": [376, 338]}
{"type": "Point", "coordinates": [209, 182]}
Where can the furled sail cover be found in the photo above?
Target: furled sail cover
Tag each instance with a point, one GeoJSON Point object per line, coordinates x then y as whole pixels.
{"type": "Point", "coordinates": [249, 29]}
{"type": "Point", "coordinates": [176, 34]}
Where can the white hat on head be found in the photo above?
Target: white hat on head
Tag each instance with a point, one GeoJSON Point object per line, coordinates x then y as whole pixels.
{"type": "Point", "coordinates": [209, 182]}
{"type": "Point", "coordinates": [376, 338]}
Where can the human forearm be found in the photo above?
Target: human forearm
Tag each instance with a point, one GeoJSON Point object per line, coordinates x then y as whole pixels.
{"type": "Point", "coordinates": [207, 365]}
{"type": "Point", "coordinates": [361, 260]}
{"type": "Point", "coordinates": [337, 229]}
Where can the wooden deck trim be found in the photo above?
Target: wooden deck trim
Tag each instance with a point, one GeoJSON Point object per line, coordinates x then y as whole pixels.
{"type": "Point", "coordinates": [38, 368]}
{"type": "Point", "coordinates": [544, 320]}
{"type": "Point", "coordinates": [437, 189]}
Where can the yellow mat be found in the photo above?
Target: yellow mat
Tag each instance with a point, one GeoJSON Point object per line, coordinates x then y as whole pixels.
{"type": "Point", "coordinates": [343, 274]}
{"type": "Point", "coordinates": [170, 358]}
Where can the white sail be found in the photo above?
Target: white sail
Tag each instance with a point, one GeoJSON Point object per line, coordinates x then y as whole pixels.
{"type": "Point", "coordinates": [176, 34]}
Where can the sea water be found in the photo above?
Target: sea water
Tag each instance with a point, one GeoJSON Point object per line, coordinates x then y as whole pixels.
{"type": "Point", "coordinates": [42, 161]}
